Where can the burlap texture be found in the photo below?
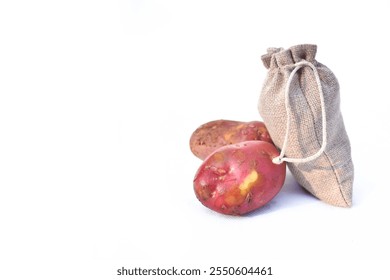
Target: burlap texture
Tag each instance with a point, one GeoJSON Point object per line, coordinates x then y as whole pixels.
{"type": "Point", "coordinates": [330, 176]}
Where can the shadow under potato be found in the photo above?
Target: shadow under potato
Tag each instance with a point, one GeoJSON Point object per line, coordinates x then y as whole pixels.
{"type": "Point", "coordinates": [291, 195]}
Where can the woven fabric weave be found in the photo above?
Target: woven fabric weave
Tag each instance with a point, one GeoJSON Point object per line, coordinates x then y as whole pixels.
{"type": "Point", "coordinates": [330, 176]}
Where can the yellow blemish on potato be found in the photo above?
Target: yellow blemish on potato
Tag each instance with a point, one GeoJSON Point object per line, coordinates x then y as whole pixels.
{"type": "Point", "coordinates": [228, 135]}
{"type": "Point", "coordinates": [231, 200]}
{"type": "Point", "coordinates": [218, 156]}
{"type": "Point", "coordinates": [248, 182]}
{"type": "Point", "coordinates": [232, 132]}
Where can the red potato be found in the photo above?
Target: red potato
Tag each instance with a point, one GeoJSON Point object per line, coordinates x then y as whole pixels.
{"type": "Point", "coordinates": [239, 178]}
{"type": "Point", "coordinates": [215, 134]}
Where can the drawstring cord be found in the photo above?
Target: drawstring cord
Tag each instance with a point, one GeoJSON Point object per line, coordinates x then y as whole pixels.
{"type": "Point", "coordinates": [281, 158]}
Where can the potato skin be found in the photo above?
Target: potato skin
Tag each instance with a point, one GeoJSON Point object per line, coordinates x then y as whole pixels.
{"type": "Point", "coordinates": [215, 134]}
{"type": "Point", "coordinates": [239, 178]}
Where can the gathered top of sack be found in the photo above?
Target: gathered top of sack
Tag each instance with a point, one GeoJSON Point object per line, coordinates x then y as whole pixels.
{"type": "Point", "coordinates": [278, 57]}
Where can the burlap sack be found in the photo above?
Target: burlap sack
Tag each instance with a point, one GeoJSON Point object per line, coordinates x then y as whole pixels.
{"type": "Point", "coordinates": [300, 105]}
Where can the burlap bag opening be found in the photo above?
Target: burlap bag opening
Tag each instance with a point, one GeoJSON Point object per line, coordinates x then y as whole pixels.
{"type": "Point", "coordinates": [300, 105]}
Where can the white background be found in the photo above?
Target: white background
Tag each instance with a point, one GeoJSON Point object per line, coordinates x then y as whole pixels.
{"type": "Point", "coordinates": [98, 100]}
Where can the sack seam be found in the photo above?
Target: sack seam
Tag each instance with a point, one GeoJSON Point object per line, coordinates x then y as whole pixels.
{"type": "Point", "coordinates": [318, 142]}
